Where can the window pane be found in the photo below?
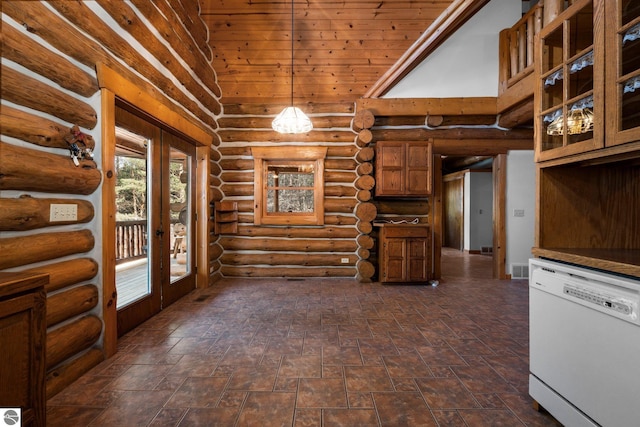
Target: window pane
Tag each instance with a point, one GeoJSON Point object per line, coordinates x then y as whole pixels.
{"type": "Point", "coordinates": [289, 200]}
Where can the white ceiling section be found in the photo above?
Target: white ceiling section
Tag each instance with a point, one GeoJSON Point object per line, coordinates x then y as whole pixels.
{"type": "Point", "coordinates": [466, 64]}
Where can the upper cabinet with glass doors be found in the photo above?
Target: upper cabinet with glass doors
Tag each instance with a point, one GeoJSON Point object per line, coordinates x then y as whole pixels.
{"type": "Point", "coordinates": [623, 71]}
{"type": "Point", "coordinates": [570, 82]}
{"type": "Point", "coordinates": [588, 80]}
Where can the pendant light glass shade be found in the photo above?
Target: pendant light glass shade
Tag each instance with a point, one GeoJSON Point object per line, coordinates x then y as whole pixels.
{"type": "Point", "coordinates": [292, 120]}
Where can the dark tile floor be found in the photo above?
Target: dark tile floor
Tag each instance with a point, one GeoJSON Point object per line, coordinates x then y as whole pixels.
{"type": "Point", "coordinates": [321, 352]}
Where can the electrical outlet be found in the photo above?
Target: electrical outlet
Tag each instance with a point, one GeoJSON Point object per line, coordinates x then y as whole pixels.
{"type": "Point", "coordinates": [63, 212]}
{"type": "Point", "coordinates": [518, 212]}
{"type": "Point", "coordinates": [345, 260]}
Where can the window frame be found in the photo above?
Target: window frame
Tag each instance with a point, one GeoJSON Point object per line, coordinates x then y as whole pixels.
{"type": "Point", "coordinates": [262, 157]}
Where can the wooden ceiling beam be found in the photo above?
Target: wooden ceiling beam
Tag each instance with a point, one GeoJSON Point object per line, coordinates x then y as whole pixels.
{"type": "Point", "coordinates": [428, 106]}
{"type": "Point", "coordinates": [445, 25]}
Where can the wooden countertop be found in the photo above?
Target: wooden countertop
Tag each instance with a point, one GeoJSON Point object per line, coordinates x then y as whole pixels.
{"type": "Point", "coordinates": [16, 282]}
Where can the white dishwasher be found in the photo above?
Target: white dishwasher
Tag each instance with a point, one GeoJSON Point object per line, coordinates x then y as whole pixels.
{"type": "Point", "coordinates": [584, 344]}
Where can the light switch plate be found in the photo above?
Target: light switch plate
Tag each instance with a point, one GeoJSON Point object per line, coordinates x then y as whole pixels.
{"type": "Point", "coordinates": [63, 212]}
{"type": "Point", "coordinates": [518, 212]}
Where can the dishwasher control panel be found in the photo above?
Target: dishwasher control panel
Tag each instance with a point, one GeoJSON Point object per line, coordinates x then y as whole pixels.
{"type": "Point", "coordinates": [603, 300]}
{"type": "Point", "coordinates": [613, 295]}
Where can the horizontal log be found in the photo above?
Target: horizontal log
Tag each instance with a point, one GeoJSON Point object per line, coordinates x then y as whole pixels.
{"type": "Point", "coordinates": [451, 134]}
{"type": "Point", "coordinates": [288, 245]}
{"type": "Point", "coordinates": [365, 168]}
{"type": "Point", "coordinates": [243, 271]}
{"type": "Point", "coordinates": [297, 232]}
{"type": "Point", "coordinates": [215, 195]}
{"type": "Point", "coordinates": [264, 122]}
{"type": "Point", "coordinates": [215, 168]}
{"type": "Point", "coordinates": [236, 164]}
{"type": "Point", "coordinates": [363, 119]}
{"type": "Point", "coordinates": [366, 211]}
{"type": "Point", "coordinates": [402, 207]}
{"type": "Point", "coordinates": [365, 241]}
{"type": "Point", "coordinates": [334, 176]}
{"type": "Point", "coordinates": [365, 182]}
{"type": "Point", "coordinates": [67, 273]}
{"type": "Point", "coordinates": [215, 250]}
{"type": "Point", "coordinates": [365, 154]}
{"type": "Point", "coordinates": [70, 40]}
{"type": "Point", "coordinates": [364, 138]}
{"type": "Point", "coordinates": [277, 259]}
{"type": "Point", "coordinates": [339, 220]}
{"type": "Point", "coordinates": [30, 170]}
{"type": "Point", "coordinates": [71, 339]}
{"type": "Point", "coordinates": [85, 19]}
{"type": "Point", "coordinates": [233, 135]}
{"type": "Point", "coordinates": [339, 204]}
{"type": "Point", "coordinates": [28, 213]}
{"type": "Point", "coordinates": [236, 176]}
{"type": "Point", "coordinates": [62, 376]}
{"type": "Point", "coordinates": [23, 250]}
{"type": "Point", "coordinates": [29, 92]}
{"type": "Point", "coordinates": [518, 115]}
{"type": "Point", "coordinates": [175, 32]}
{"type": "Point", "coordinates": [22, 49]}
{"type": "Point", "coordinates": [273, 109]}
{"type": "Point", "coordinates": [129, 21]}
{"type": "Point", "coordinates": [364, 227]}
{"type": "Point", "coordinates": [67, 304]}
{"type": "Point", "coordinates": [339, 191]}
{"type": "Point", "coordinates": [366, 270]}
{"type": "Point", "coordinates": [364, 253]}
{"type": "Point", "coordinates": [428, 106]}
{"type": "Point", "coordinates": [479, 147]}
{"type": "Point", "coordinates": [340, 164]}
{"type": "Point", "coordinates": [332, 151]}
{"type": "Point", "coordinates": [232, 190]}
{"type": "Point", "coordinates": [34, 129]}
{"type": "Point", "coordinates": [363, 195]}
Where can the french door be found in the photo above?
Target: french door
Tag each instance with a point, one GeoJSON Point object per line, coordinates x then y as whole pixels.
{"type": "Point", "coordinates": [155, 220]}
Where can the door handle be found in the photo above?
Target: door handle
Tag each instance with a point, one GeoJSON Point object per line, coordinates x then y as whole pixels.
{"type": "Point", "coordinates": [159, 233]}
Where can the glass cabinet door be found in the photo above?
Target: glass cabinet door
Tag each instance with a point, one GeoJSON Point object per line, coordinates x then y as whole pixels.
{"type": "Point", "coordinates": [623, 72]}
{"type": "Point", "coordinates": [567, 71]}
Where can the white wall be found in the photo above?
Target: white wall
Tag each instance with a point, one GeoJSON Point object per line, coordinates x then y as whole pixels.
{"type": "Point", "coordinates": [520, 195]}
{"type": "Point", "coordinates": [478, 214]}
{"type": "Point", "coordinates": [466, 64]}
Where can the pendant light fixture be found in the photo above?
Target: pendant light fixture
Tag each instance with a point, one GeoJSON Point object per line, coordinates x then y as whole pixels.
{"type": "Point", "coordinates": [292, 119]}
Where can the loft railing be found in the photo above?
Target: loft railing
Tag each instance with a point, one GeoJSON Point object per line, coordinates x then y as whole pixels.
{"type": "Point", "coordinates": [516, 48]}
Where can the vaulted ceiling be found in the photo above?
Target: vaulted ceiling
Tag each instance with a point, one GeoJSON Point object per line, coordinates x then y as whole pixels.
{"type": "Point", "coordinates": [341, 47]}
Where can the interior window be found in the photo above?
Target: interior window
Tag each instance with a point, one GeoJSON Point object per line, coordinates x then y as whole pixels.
{"type": "Point", "coordinates": [289, 185]}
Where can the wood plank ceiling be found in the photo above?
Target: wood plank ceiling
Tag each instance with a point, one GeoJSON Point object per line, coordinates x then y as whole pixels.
{"type": "Point", "coordinates": [341, 47]}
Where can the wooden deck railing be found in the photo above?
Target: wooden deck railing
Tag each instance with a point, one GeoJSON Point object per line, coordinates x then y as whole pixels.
{"type": "Point", "coordinates": [131, 240]}
{"type": "Point", "coordinates": [516, 48]}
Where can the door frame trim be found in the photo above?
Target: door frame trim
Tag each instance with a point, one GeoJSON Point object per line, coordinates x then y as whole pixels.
{"type": "Point", "coordinates": [112, 86]}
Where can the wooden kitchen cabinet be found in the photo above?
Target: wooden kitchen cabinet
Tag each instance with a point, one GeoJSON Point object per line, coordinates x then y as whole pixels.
{"type": "Point", "coordinates": [622, 29]}
{"type": "Point", "coordinates": [403, 168]}
{"type": "Point", "coordinates": [22, 340]}
{"type": "Point", "coordinates": [569, 70]}
{"type": "Point", "coordinates": [588, 184]}
{"type": "Point", "coordinates": [404, 252]}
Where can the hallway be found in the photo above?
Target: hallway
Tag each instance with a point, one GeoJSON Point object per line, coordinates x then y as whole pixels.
{"type": "Point", "coordinates": [321, 352]}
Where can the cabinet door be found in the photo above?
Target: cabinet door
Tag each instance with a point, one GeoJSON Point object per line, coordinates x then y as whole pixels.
{"type": "Point", "coordinates": [418, 176]}
{"type": "Point", "coordinates": [395, 260]}
{"type": "Point", "coordinates": [418, 266]}
{"type": "Point", "coordinates": [569, 97]}
{"type": "Point", "coordinates": [22, 362]}
{"type": "Point", "coordinates": [403, 168]}
{"type": "Point", "coordinates": [623, 71]}
{"type": "Point", "coordinates": [390, 157]}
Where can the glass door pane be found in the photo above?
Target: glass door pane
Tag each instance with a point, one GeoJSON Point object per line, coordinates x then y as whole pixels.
{"type": "Point", "coordinates": [180, 217]}
{"type": "Point", "coordinates": [132, 218]}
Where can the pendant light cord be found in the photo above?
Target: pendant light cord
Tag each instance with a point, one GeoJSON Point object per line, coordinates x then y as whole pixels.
{"type": "Point", "coordinates": [292, 52]}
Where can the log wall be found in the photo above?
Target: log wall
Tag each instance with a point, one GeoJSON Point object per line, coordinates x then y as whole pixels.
{"type": "Point", "coordinates": [49, 85]}
{"type": "Point", "coordinates": [331, 250]}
